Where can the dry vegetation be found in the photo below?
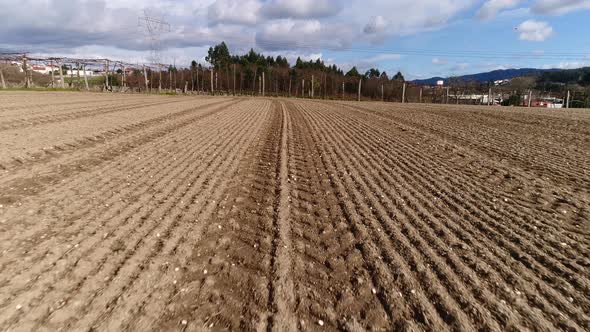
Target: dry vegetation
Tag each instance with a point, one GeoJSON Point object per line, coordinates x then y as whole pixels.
{"type": "Point", "coordinates": [137, 212]}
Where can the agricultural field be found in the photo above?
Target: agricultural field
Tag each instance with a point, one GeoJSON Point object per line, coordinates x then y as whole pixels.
{"type": "Point", "coordinates": [135, 212]}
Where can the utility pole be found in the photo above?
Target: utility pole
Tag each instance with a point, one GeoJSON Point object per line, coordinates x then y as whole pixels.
{"type": "Point", "coordinates": [448, 95]}
{"type": "Point", "coordinates": [212, 88]}
{"type": "Point", "coordinates": [2, 79]}
{"type": "Point", "coordinates": [160, 82]}
{"type": "Point", "coordinates": [78, 72]}
{"type": "Point", "coordinates": [52, 74]}
{"type": "Point", "coordinates": [263, 85]}
{"type": "Point", "coordinates": [421, 95]}
{"type": "Point", "coordinates": [342, 90]}
{"type": "Point", "coordinates": [303, 88]}
{"type": "Point", "coordinates": [489, 96]}
{"type": "Point", "coordinates": [85, 78]}
{"type": "Point", "coordinates": [145, 79]}
{"type": "Point", "coordinates": [530, 97]}
{"type": "Point", "coordinates": [71, 76]}
{"type": "Point", "coordinates": [25, 70]}
{"type": "Point", "coordinates": [567, 104]}
{"type": "Point", "coordinates": [234, 75]}
{"type": "Point", "coordinates": [106, 75]}
{"type": "Point", "coordinates": [61, 76]}
{"type": "Point", "coordinates": [154, 27]}
{"type": "Point", "coordinates": [404, 93]}
{"type": "Point", "coordinates": [382, 93]}
{"type": "Point", "coordinates": [192, 79]}
{"type": "Point", "coordinates": [312, 87]}
{"type": "Point", "coordinates": [124, 78]}
{"type": "Point", "coordinates": [360, 86]}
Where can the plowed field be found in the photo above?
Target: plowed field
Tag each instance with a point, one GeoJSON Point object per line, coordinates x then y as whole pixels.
{"type": "Point", "coordinates": [140, 213]}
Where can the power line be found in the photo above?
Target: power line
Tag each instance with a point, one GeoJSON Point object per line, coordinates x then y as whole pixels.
{"type": "Point", "coordinates": [154, 27]}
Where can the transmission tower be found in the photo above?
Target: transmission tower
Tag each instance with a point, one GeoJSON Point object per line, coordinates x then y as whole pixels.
{"type": "Point", "coordinates": [154, 28]}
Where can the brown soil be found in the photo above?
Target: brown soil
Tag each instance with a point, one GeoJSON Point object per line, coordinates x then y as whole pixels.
{"type": "Point", "coordinates": [180, 213]}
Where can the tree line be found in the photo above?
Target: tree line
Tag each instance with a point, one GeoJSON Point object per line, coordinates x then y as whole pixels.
{"type": "Point", "coordinates": [257, 74]}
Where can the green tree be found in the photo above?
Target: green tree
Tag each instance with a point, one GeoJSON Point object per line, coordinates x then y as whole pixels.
{"type": "Point", "coordinates": [219, 56]}
{"type": "Point", "coordinates": [353, 72]}
{"type": "Point", "coordinates": [373, 73]}
{"type": "Point", "coordinates": [399, 77]}
{"type": "Point", "coordinates": [513, 100]}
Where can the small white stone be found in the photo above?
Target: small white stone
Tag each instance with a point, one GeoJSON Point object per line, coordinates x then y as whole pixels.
{"type": "Point", "coordinates": [374, 291]}
{"type": "Point", "coordinates": [204, 271]}
{"type": "Point", "coordinates": [413, 291]}
{"type": "Point", "coordinates": [184, 322]}
{"type": "Point", "coordinates": [19, 307]}
{"type": "Point", "coordinates": [158, 235]}
{"type": "Point", "coordinates": [176, 269]}
{"type": "Point", "coordinates": [321, 322]}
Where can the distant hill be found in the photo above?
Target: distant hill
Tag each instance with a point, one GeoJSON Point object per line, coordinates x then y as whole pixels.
{"type": "Point", "coordinates": [494, 75]}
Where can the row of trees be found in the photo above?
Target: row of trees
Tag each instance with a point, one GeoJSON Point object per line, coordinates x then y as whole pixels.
{"type": "Point", "coordinates": [254, 73]}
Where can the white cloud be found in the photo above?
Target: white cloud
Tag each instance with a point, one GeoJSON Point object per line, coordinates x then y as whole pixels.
{"type": "Point", "coordinates": [289, 34]}
{"type": "Point", "coordinates": [234, 12]}
{"type": "Point", "coordinates": [440, 61]}
{"type": "Point", "coordinates": [567, 65]}
{"type": "Point", "coordinates": [305, 9]}
{"type": "Point", "coordinates": [402, 17]}
{"type": "Point", "coordinates": [532, 30]}
{"type": "Point", "coordinates": [376, 61]}
{"type": "Point", "coordinates": [491, 8]}
{"type": "Point", "coordinates": [286, 27]}
{"type": "Point", "coordinates": [376, 25]}
{"type": "Point", "coordinates": [384, 57]}
{"type": "Point", "coordinates": [460, 66]}
{"type": "Point", "coordinates": [559, 7]}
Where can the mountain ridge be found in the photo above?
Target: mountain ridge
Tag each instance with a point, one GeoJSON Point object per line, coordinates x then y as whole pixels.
{"type": "Point", "coordinates": [494, 75]}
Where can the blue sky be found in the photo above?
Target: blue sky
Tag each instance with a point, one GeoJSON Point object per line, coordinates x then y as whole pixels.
{"type": "Point", "coordinates": [421, 38]}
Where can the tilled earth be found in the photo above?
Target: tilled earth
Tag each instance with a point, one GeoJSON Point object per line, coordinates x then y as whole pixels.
{"type": "Point", "coordinates": [132, 212]}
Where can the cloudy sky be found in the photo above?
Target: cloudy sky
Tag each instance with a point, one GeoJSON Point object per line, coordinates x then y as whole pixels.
{"type": "Point", "coordinates": [422, 38]}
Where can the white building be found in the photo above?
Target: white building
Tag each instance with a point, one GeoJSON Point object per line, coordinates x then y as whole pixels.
{"type": "Point", "coordinates": [75, 72]}
{"type": "Point", "coordinates": [42, 69]}
{"type": "Point", "coordinates": [501, 82]}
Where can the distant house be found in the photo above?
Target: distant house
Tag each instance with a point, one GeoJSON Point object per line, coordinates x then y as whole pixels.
{"type": "Point", "coordinates": [76, 72]}
{"type": "Point", "coordinates": [42, 69]}
{"type": "Point", "coordinates": [546, 102]}
{"type": "Point", "coordinates": [501, 82]}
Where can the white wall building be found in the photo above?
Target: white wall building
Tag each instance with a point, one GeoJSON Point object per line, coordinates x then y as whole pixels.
{"type": "Point", "coordinates": [74, 72]}
{"type": "Point", "coordinates": [42, 69]}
